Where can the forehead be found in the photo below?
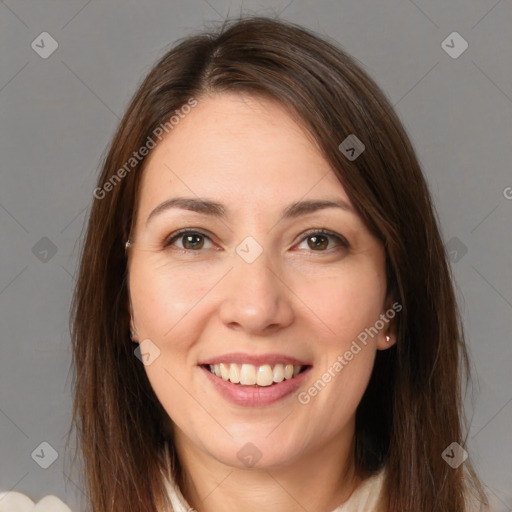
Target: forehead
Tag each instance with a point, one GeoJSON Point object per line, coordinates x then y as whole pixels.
{"type": "Point", "coordinates": [233, 146]}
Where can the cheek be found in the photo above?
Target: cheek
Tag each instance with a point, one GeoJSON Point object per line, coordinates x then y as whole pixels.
{"type": "Point", "coordinates": [334, 394]}
{"type": "Point", "coordinates": [349, 304]}
{"type": "Point", "coordinates": [161, 300]}
{"type": "Point", "coordinates": [346, 303]}
{"type": "Point", "coordinates": [346, 352]}
{"type": "Point", "coordinates": [163, 296]}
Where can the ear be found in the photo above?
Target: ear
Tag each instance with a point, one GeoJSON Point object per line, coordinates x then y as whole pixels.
{"type": "Point", "coordinates": [133, 331]}
{"type": "Point", "coordinates": [387, 335]}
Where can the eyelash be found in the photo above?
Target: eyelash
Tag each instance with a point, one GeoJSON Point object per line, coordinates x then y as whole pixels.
{"type": "Point", "coordinates": [186, 231]}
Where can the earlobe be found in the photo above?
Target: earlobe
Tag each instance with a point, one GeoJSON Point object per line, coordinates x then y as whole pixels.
{"type": "Point", "coordinates": [386, 341]}
{"type": "Point", "coordinates": [133, 337]}
{"type": "Point", "coordinates": [387, 337]}
{"type": "Point", "coordinates": [133, 331]}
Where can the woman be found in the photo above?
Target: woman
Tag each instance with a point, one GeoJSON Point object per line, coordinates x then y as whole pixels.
{"type": "Point", "coordinates": [262, 232]}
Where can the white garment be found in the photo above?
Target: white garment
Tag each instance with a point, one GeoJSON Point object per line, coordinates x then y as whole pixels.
{"type": "Point", "coordinates": [16, 502]}
{"type": "Point", "coordinates": [364, 499]}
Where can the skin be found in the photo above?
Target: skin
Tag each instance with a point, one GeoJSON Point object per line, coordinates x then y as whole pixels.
{"type": "Point", "coordinates": [310, 303]}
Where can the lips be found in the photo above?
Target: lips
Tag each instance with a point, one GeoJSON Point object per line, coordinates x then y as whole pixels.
{"type": "Point", "coordinates": [256, 360]}
{"type": "Point", "coordinates": [255, 380]}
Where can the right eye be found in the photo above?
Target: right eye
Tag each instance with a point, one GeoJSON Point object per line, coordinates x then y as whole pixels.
{"type": "Point", "coordinates": [192, 241]}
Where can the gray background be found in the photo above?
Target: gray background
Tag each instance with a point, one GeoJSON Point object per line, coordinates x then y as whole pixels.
{"type": "Point", "coordinates": [59, 113]}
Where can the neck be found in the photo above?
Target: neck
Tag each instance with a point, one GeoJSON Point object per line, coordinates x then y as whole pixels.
{"type": "Point", "coordinates": [317, 481]}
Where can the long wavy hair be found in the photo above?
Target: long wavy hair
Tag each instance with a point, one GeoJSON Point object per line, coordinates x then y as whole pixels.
{"type": "Point", "coordinates": [412, 408]}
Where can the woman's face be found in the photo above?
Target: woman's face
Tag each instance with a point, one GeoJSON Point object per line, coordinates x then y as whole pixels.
{"type": "Point", "coordinates": [254, 288]}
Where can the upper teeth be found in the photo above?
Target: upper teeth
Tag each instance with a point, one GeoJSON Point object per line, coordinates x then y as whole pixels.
{"type": "Point", "coordinates": [248, 374]}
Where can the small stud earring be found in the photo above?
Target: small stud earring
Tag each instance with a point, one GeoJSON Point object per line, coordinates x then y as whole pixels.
{"type": "Point", "coordinates": [388, 338]}
{"type": "Point", "coordinates": [127, 245]}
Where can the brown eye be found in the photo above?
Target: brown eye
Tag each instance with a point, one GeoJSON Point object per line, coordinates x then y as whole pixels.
{"type": "Point", "coordinates": [318, 240]}
{"type": "Point", "coordinates": [191, 240]}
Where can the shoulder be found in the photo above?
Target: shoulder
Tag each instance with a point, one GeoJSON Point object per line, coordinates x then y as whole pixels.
{"type": "Point", "coordinates": [369, 497]}
{"type": "Point", "coordinates": [17, 502]}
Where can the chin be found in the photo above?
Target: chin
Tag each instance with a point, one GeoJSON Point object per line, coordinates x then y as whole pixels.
{"type": "Point", "coordinates": [258, 452]}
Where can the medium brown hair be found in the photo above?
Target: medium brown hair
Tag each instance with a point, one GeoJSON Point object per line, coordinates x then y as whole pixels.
{"type": "Point", "coordinates": [412, 408]}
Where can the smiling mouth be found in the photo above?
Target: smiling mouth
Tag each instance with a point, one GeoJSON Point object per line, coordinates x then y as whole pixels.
{"type": "Point", "coordinates": [255, 376]}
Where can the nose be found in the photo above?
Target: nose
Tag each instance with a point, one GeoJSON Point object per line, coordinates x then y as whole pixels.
{"type": "Point", "coordinates": [256, 299]}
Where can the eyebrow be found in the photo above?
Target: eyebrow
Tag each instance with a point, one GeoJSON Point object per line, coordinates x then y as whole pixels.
{"type": "Point", "coordinates": [215, 209]}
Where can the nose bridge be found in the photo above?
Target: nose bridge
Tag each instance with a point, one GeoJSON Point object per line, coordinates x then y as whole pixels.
{"type": "Point", "coordinates": [254, 297]}
{"type": "Point", "coordinates": [255, 274]}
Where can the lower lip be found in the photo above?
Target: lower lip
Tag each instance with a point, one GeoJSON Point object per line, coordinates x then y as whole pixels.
{"type": "Point", "coordinates": [260, 396]}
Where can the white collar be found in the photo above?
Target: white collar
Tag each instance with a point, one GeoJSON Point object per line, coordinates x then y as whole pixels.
{"type": "Point", "coordinates": [365, 498]}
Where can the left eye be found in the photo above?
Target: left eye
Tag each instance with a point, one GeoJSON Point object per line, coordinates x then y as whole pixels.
{"type": "Point", "coordinates": [194, 240]}
{"type": "Point", "coordinates": [320, 239]}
